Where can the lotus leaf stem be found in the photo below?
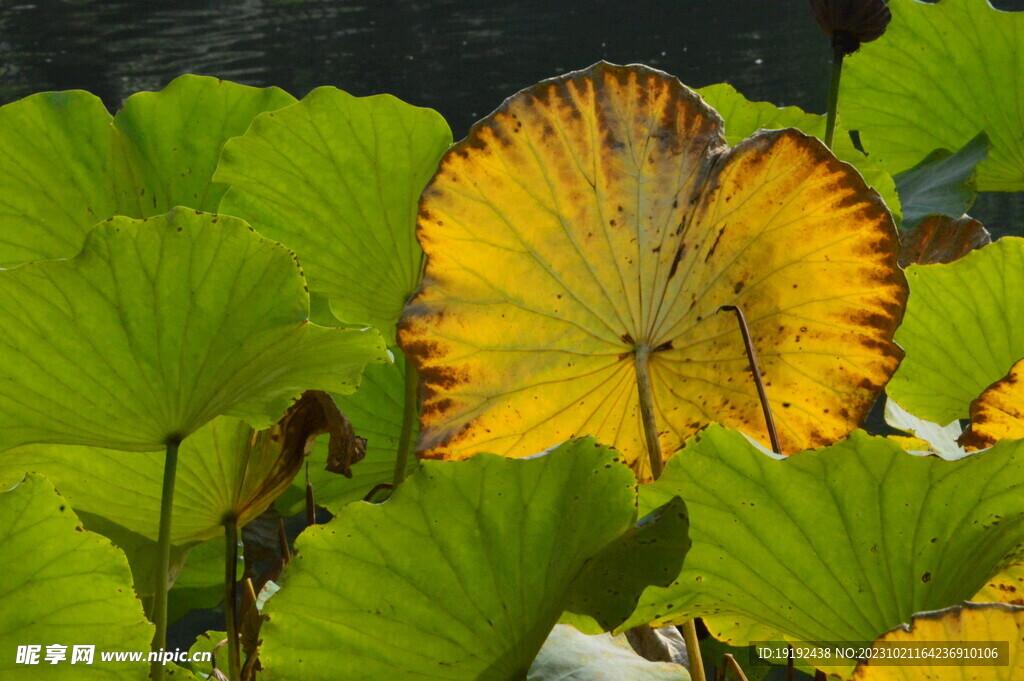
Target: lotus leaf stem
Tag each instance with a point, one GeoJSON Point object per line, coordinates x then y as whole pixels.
{"type": "Point", "coordinates": [755, 369]}
{"type": "Point", "coordinates": [230, 595]}
{"type": "Point", "coordinates": [833, 96]}
{"type": "Point", "coordinates": [728, 661]}
{"type": "Point", "coordinates": [156, 669]}
{"type": "Point", "coordinates": [689, 628]}
{"type": "Point", "coordinates": [410, 413]}
{"type": "Point", "coordinates": [646, 396]}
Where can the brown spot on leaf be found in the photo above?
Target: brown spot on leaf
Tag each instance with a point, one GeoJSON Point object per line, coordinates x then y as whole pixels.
{"type": "Point", "coordinates": [675, 261]}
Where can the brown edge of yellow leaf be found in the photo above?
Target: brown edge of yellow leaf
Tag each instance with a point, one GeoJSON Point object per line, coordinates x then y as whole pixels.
{"type": "Point", "coordinates": [990, 422]}
{"type": "Point", "coordinates": [887, 245]}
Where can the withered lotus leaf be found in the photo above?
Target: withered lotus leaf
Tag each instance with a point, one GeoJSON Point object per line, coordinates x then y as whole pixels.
{"type": "Point", "coordinates": [941, 239]}
{"type": "Point", "coordinates": [601, 214]}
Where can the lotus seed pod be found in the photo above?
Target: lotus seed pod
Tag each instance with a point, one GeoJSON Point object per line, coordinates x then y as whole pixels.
{"type": "Point", "coordinates": [851, 22]}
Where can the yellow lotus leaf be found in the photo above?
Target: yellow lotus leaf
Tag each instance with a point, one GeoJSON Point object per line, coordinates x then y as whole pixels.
{"type": "Point", "coordinates": [1006, 587]}
{"type": "Point", "coordinates": [599, 220]}
{"type": "Point", "coordinates": [978, 627]}
{"type": "Point", "coordinates": [998, 413]}
{"type": "Point", "coordinates": [910, 444]}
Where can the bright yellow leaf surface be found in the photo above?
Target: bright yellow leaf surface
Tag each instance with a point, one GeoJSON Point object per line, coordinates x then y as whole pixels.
{"type": "Point", "coordinates": [602, 212]}
{"type": "Point", "coordinates": [977, 623]}
{"type": "Point", "coordinates": [998, 413]}
{"type": "Point", "coordinates": [1006, 587]}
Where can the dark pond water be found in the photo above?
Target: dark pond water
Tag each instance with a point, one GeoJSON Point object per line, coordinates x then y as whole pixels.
{"type": "Point", "coordinates": [461, 58]}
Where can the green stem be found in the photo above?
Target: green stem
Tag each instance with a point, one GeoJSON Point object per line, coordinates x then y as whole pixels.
{"type": "Point", "coordinates": [156, 668]}
{"type": "Point", "coordinates": [729, 661]}
{"type": "Point", "coordinates": [755, 369]}
{"type": "Point", "coordinates": [310, 501]}
{"type": "Point", "coordinates": [693, 650]}
{"type": "Point", "coordinates": [410, 413]}
{"type": "Point", "coordinates": [646, 395]}
{"type": "Point", "coordinates": [833, 96]}
{"type": "Point", "coordinates": [230, 595]}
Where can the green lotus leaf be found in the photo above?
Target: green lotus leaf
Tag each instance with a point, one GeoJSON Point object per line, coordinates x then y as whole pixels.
{"type": "Point", "coordinates": [141, 551]}
{"type": "Point", "coordinates": [62, 585]}
{"type": "Point", "coordinates": [569, 655]}
{"type": "Point", "coordinates": [461, 574]}
{"type": "Point", "coordinates": [338, 179]}
{"type": "Point", "coordinates": [157, 327]}
{"type": "Point", "coordinates": [941, 74]}
{"type": "Point", "coordinates": [197, 573]}
{"type": "Point", "coordinates": [943, 183]}
{"type": "Point", "coordinates": [963, 330]}
{"type": "Point", "coordinates": [376, 414]}
{"type": "Point", "coordinates": [200, 584]}
{"type": "Point", "coordinates": [744, 117]}
{"type": "Point", "coordinates": [837, 544]}
{"type": "Point", "coordinates": [68, 165]}
{"type": "Point", "coordinates": [219, 474]}
{"type": "Point", "coordinates": [605, 589]}
{"type": "Point", "coordinates": [213, 642]}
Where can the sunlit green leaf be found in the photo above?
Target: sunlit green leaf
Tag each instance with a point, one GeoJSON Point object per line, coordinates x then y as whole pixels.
{"type": "Point", "coordinates": [963, 330]}
{"type": "Point", "coordinates": [158, 327]}
{"type": "Point", "coordinates": [141, 551]}
{"type": "Point", "coordinates": [744, 117]}
{"type": "Point", "coordinates": [219, 474]}
{"type": "Point", "coordinates": [337, 178]}
{"type": "Point", "coordinates": [461, 574]}
{"type": "Point", "coordinates": [215, 643]}
{"type": "Point", "coordinates": [68, 165]}
{"type": "Point", "coordinates": [838, 544]}
{"type": "Point", "coordinates": [941, 74]}
{"type": "Point", "coordinates": [62, 585]}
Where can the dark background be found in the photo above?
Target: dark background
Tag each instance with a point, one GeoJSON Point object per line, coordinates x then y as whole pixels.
{"type": "Point", "coordinates": [459, 57]}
